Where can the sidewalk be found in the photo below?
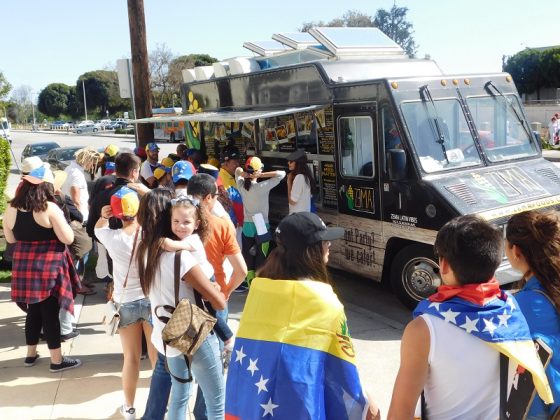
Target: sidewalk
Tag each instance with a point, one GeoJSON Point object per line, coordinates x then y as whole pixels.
{"type": "Point", "coordinates": [92, 391]}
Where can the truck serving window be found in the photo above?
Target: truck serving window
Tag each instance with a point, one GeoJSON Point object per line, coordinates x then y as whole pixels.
{"type": "Point", "coordinates": [356, 146]}
{"type": "Point", "coordinates": [500, 128]}
{"type": "Point", "coordinates": [440, 134]}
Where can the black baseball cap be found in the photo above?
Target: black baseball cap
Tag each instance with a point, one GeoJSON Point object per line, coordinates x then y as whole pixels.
{"type": "Point", "coordinates": [231, 153]}
{"type": "Point", "coordinates": [304, 228]}
{"type": "Point", "coordinates": [298, 154]}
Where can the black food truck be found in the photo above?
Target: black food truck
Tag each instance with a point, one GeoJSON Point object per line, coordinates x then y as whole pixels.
{"type": "Point", "coordinates": [397, 147]}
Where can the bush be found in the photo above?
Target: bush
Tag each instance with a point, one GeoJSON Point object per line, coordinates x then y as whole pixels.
{"type": "Point", "coordinates": [124, 131]}
{"type": "Point", "coordinates": [5, 164]}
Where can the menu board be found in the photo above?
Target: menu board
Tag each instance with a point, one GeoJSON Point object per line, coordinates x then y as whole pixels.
{"type": "Point", "coordinates": [325, 131]}
{"type": "Point", "coordinates": [219, 135]}
{"type": "Point", "coordinates": [328, 176]}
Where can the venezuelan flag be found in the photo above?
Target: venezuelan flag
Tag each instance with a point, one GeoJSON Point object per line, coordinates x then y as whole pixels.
{"type": "Point", "coordinates": [493, 316]}
{"type": "Point", "coordinates": [236, 213]}
{"type": "Point", "coordinates": [293, 356]}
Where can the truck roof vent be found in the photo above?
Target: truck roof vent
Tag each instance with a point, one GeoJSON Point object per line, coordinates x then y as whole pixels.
{"type": "Point", "coordinates": [549, 174]}
{"type": "Point", "coordinates": [463, 192]}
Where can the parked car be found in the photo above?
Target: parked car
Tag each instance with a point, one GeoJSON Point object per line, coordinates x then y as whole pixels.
{"type": "Point", "coordinates": [85, 123]}
{"type": "Point", "coordinates": [61, 157]}
{"type": "Point", "coordinates": [116, 124]}
{"type": "Point", "coordinates": [38, 149]}
{"type": "Point", "coordinates": [87, 128]}
{"type": "Point", "coordinates": [59, 125]}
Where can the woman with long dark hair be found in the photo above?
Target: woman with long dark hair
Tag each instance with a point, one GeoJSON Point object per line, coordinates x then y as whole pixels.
{"type": "Point", "coordinates": [43, 275]}
{"type": "Point", "coordinates": [300, 182]}
{"type": "Point", "coordinates": [533, 249]}
{"type": "Point", "coordinates": [156, 270]}
{"type": "Point", "coordinates": [293, 342]}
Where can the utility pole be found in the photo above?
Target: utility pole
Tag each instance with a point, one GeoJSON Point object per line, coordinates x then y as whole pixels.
{"type": "Point", "coordinates": [140, 70]}
{"type": "Point", "coordinates": [84, 90]}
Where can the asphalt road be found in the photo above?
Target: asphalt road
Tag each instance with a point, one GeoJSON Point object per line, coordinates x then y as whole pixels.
{"type": "Point", "coordinates": [375, 316]}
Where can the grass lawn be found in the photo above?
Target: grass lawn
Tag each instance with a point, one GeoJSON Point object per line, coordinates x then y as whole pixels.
{"type": "Point", "coordinates": [5, 275]}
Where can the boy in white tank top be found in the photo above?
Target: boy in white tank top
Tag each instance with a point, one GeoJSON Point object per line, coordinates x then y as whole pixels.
{"type": "Point", "coordinates": [451, 350]}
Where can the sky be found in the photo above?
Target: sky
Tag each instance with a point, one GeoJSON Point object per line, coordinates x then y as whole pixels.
{"type": "Point", "coordinates": [58, 40]}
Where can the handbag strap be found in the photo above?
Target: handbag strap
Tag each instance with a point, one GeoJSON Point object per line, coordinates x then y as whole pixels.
{"type": "Point", "coordinates": [177, 278]}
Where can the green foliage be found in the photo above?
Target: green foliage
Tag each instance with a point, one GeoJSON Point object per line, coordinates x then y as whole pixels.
{"type": "Point", "coordinates": [5, 164]}
{"type": "Point", "coordinates": [5, 87]}
{"type": "Point", "coordinates": [392, 23]}
{"type": "Point", "coordinates": [53, 100]}
{"type": "Point", "coordinates": [124, 131]}
{"type": "Point", "coordinates": [102, 92]}
{"type": "Point", "coordinates": [534, 69]}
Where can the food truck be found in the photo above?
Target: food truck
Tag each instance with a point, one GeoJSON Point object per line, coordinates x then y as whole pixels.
{"type": "Point", "coordinates": [398, 148]}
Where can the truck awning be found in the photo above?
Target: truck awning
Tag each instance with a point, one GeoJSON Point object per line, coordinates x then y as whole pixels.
{"type": "Point", "coordinates": [228, 116]}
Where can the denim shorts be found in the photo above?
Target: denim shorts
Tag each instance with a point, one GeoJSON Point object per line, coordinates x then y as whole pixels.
{"type": "Point", "coordinates": [133, 312]}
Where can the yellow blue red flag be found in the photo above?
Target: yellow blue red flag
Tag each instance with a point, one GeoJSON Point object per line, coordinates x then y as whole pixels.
{"type": "Point", "coordinates": [492, 315]}
{"type": "Point", "coordinates": [293, 356]}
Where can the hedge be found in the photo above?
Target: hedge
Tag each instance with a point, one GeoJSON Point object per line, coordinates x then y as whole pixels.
{"type": "Point", "coordinates": [5, 165]}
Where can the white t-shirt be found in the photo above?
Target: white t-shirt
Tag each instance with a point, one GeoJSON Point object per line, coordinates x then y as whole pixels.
{"type": "Point", "coordinates": [76, 178]}
{"type": "Point", "coordinates": [200, 254]}
{"type": "Point", "coordinates": [301, 194]}
{"type": "Point", "coordinates": [463, 378]}
{"type": "Point", "coordinates": [119, 246]}
{"type": "Point", "coordinates": [146, 170]}
{"type": "Point", "coordinates": [162, 293]}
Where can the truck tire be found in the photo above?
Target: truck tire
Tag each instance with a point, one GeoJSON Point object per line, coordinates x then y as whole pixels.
{"type": "Point", "coordinates": [95, 130]}
{"type": "Point", "coordinates": [414, 274]}
{"type": "Point", "coordinates": [78, 131]}
{"type": "Point", "coordinates": [172, 138]}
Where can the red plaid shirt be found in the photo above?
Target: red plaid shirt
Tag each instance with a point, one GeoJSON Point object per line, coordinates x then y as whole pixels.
{"type": "Point", "coordinates": [41, 269]}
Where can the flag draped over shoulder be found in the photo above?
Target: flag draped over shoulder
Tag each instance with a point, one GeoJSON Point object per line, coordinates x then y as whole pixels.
{"type": "Point", "coordinates": [492, 315]}
{"type": "Point", "coordinates": [293, 357]}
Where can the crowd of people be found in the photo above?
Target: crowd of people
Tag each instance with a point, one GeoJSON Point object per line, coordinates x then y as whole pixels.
{"type": "Point", "coordinates": [148, 219]}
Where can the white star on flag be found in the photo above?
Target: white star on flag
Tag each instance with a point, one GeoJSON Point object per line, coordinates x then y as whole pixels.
{"type": "Point", "coordinates": [490, 327]}
{"type": "Point", "coordinates": [449, 316]}
{"type": "Point", "coordinates": [268, 407]}
{"type": "Point", "coordinates": [504, 319]}
{"type": "Point", "coordinates": [470, 324]}
{"type": "Point", "coordinates": [253, 366]}
{"type": "Point", "coordinates": [511, 304]}
{"type": "Point", "coordinates": [239, 356]}
{"type": "Point", "coordinates": [261, 385]}
{"type": "Point", "coordinates": [435, 305]}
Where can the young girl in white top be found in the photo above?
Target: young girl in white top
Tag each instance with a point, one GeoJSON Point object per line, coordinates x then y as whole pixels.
{"type": "Point", "coordinates": [134, 311]}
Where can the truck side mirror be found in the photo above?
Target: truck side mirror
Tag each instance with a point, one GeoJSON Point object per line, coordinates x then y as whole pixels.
{"type": "Point", "coordinates": [396, 164]}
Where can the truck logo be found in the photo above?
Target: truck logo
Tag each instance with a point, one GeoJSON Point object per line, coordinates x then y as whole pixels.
{"type": "Point", "coordinates": [358, 198]}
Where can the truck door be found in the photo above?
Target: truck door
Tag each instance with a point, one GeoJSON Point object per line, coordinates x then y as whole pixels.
{"type": "Point", "coordinates": [358, 186]}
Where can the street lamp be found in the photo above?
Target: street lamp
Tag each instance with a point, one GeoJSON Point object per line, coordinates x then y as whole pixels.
{"type": "Point", "coordinates": [34, 126]}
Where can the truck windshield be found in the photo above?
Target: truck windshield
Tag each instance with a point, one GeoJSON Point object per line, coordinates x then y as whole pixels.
{"type": "Point", "coordinates": [500, 128]}
{"type": "Point", "coordinates": [440, 134]}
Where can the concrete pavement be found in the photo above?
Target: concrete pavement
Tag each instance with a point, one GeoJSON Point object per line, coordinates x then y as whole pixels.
{"type": "Point", "coordinates": [94, 391]}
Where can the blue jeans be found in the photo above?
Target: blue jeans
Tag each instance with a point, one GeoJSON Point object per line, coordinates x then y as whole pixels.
{"type": "Point", "coordinates": [199, 410]}
{"type": "Point", "coordinates": [207, 368]}
{"type": "Point", "coordinates": [160, 387]}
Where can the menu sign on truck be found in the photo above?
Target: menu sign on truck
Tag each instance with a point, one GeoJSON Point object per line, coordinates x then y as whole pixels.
{"type": "Point", "coordinates": [328, 176]}
{"type": "Point", "coordinates": [325, 131]}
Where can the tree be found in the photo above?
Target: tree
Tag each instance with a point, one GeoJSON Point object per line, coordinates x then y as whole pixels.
{"type": "Point", "coordinates": [394, 24]}
{"type": "Point", "coordinates": [526, 70]}
{"type": "Point", "coordinates": [100, 87]}
{"type": "Point", "coordinates": [53, 100]}
{"type": "Point", "coordinates": [5, 88]}
{"type": "Point", "coordinates": [21, 100]}
{"type": "Point", "coordinates": [178, 64]}
{"type": "Point", "coordinates": [159, 61]}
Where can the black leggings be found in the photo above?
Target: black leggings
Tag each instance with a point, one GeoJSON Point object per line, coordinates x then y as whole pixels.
{"type": "Point", "coordinates": [43, 315]}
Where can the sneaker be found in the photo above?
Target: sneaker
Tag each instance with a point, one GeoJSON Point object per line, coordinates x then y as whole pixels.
{"type": "Point", "coordinates": [67, 363]}
{"type": "Point", "coordinates": [128, 413]}
{"type": "Point", "coordinates": [70, 335]}
{"type": "Point", "coordinates": [30, 361]}
{"type": "Point", "coordinates": [242, 288]}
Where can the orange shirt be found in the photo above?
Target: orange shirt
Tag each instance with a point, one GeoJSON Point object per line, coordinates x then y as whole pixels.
{"type": "Point", "coordinates": [221, 242]}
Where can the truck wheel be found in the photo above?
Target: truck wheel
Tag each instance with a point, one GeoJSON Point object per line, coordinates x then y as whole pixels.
{"type": "Point", "coordinates": [78, 131]}
{"type": "Point", "coordinates": [414, 274]}
{"type": "Point", "coordinates": [95, 130]}
{"type": "Point", "coordinates": [172, 138]}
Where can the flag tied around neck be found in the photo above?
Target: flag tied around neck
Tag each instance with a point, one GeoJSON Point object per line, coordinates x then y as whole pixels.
{"type": "Point", "coordinates": [293, 357]}
{"type": "Point", "coordinates": [492, 315]}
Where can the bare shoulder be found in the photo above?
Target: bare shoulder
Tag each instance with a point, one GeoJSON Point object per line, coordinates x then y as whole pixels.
{"type": "Point", "coordinates": [416, 333]}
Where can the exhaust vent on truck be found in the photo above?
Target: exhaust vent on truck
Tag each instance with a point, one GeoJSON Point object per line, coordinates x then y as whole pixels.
{"type": "Point", "coordinates": [549, 174]}
{"type": "Point", "coordinates": [463, 192]}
